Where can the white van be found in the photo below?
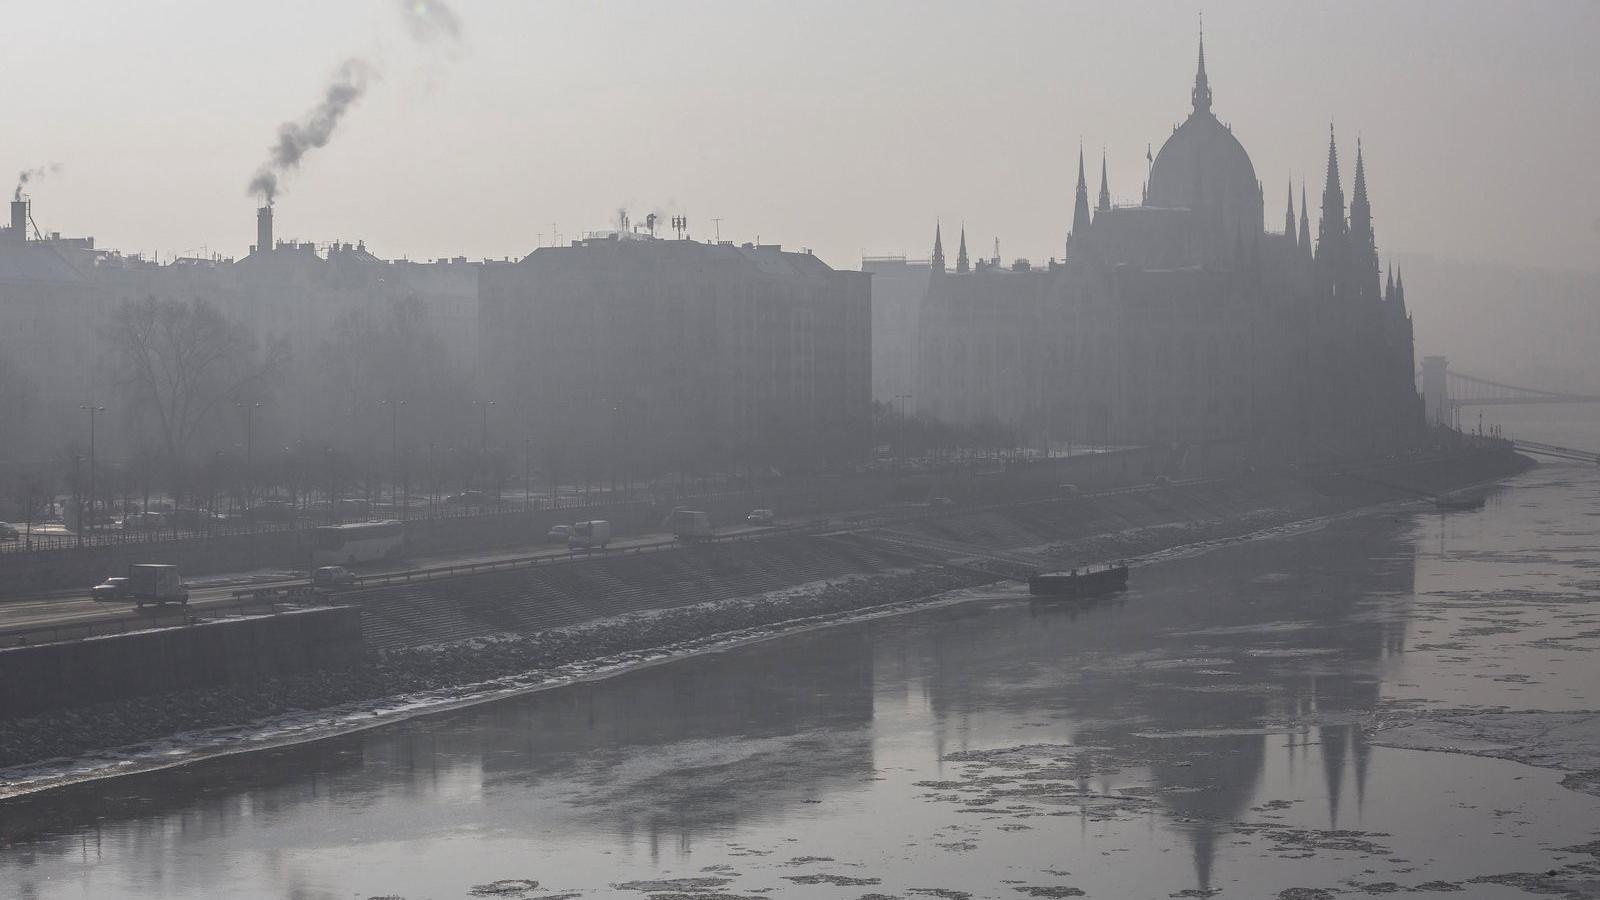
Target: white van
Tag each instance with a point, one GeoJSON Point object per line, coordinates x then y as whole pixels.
{"type": "Point", "coordinates": [589, 535]}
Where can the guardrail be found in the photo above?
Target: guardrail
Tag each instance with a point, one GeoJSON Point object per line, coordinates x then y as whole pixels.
{"type": "Point", "coordinates": [160, 617]}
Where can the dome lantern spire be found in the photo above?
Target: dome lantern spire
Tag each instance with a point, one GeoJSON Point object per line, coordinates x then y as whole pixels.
{"type": "Point", "coordinates": [1202, 85]}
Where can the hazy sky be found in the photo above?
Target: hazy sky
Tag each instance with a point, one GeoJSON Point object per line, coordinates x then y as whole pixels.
{"type": "Point", "coordinates": [842, 126]}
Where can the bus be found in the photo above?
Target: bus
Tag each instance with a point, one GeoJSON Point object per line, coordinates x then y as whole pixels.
{"type": "Point", "coordinates": [345, 545]}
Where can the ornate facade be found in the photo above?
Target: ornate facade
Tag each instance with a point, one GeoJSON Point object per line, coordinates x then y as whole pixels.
{"type": "Point", "coordinates": [1183, 319]}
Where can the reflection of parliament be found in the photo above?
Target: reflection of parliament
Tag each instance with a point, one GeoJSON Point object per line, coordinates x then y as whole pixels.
{"type": "Point", "coordinates": [1178, 320]}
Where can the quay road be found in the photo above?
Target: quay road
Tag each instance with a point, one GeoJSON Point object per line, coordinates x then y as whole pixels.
{"type": "Point", "coordinates": [63, 615]}
{"type": "Point", "coordinates": [62, 610]}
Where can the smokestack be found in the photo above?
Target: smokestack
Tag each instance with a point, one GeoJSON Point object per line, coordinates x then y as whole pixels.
{"type": "Point", "coordinates": [19, 220]}
{"type": "Point", "coordinates": [263, 228]}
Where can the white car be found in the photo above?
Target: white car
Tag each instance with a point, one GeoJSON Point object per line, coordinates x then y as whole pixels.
{"type": "Point", "coordinates": [558, 533]}
{"type": "Point", "coordinates": [760, 517]}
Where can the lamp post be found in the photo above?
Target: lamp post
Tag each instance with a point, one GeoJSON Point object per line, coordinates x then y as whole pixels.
{"type": "Point", "coordinates": [433, 479]}
{"type": "Point", "coordinates": [92, 409]}
{"type": "Point", "coordinates": [77, 498]}
{"type": "Point", "coordinates": [483, 444]}
{"type": "Point", "coordinates": [249, 418]}
{"type": "Point", "coordinates": [527, 486]}
{"type": "Point", "coordinates": [394, 447]}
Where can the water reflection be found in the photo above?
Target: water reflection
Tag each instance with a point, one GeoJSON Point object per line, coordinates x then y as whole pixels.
{"type": "Point", "coordinates": [1216, 684]}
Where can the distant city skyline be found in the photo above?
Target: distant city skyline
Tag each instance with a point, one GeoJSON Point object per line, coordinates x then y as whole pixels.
{"type": "Point", "coordinates": [845, 128]}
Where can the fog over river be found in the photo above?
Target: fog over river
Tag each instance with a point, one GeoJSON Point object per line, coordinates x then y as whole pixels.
{"type": "Point", "coordinates": [1213, 731]}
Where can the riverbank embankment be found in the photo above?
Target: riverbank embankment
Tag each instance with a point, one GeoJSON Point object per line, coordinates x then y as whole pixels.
{"type": "Point", "coordinates": [474, 629]}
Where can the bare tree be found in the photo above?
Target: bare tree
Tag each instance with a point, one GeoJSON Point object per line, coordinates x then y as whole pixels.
{"type": "Point", "coordinates": [16, 395]}
{"type": "Point", "coordinates": [179, 364]}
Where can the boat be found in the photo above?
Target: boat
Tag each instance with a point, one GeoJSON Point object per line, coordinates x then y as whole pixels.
{"type": "Point", "coordinates": [1079, 582]}
{"type": "Point", "coordinates": [1460, 501]}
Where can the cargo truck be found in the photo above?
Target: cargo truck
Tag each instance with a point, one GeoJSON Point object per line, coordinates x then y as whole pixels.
{"type": "Point", "coordinates": [589, 535]}
{"type": "Point", "coordinates": [691, 525]}
{"type": "Point", "coordinates": [157, 583]}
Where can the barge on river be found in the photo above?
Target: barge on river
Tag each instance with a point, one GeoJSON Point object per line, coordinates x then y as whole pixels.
{"type": "Point", "coordinates": [1079, 582]}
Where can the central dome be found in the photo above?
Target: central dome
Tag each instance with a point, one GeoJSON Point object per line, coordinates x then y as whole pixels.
{"type": "Point", "coordinates": [1204, 167]}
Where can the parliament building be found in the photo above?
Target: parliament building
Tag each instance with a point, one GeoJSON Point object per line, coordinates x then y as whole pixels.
{"type": "Point", "coordinates": [1183, 320]}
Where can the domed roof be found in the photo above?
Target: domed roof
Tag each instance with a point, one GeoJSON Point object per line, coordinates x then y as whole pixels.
{"type": "Point", "coordinates": [1202, 165]}
{"type": "Point", "coordinates": [1203, 162]}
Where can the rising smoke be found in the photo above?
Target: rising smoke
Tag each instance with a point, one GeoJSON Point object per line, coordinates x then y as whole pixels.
{"type": "Point", "coordinates": [27, 175]}
{"type": "Point", "coordinates": [315, 129]}
{"type": "Point", "coordinates": [429, 21]}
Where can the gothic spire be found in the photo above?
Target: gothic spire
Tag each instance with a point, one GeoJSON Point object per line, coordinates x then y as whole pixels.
{"type": "Point", "coordinates": [937, 263]}
{"type": "Point", "coordinates": [1080, 210]}
{"type": "Point", "coordinates": [962, 265]}
{"type": "Point", "coordinates": [1105, 186]}
{"type": "Point", "coordinates": [1305, 222]}
{"type": "Point", "coordinates": [1202, 86]}
{"type": "Point", "coordinates": [1361, 233]}
{"type": "Point", "coordinates": [1288, 217]}
{"type": "Point", "coordinates": [1332, 231]}
{"type": "Point", "coordinates": [1363, 241]}
{"type": "Point", "coordinates": [1388, 291]}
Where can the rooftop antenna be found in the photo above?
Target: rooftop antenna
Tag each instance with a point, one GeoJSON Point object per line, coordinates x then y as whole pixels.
{"type": "Point", "coordinates": [718, 222]}
{"type": "Point", "coordinates": [997, 251]}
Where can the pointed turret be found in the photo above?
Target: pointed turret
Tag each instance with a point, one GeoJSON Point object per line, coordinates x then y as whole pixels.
{"type": "Point", "coordinates": [1288, 217]}
{"type": "Point", "coordinates": [1363, 241]}
{"type": "Point", "coordinates": [1201, 95]}
{"type": "Point", "coordinates": [1388, 289]}
{"type": "Point", "coordinates": [1400, 289]}
{"type": "Point", "coordinates": [1105, 187]}
{"type": "Point", "coordinates": [937, 262]}
{"type": "Point", "coordinates": [962, 264]}
{"type": "Point", "coordinates": [1305, 222]}
{"type": "Point", "coordinates": [1080, 210]}
{"type": "Point", "coordinates": [1332, 233]}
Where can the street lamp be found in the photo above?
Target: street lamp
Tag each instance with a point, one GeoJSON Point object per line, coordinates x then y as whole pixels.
{"type": "Point", "coordinates": [483, 444]}
{"type": "Point", "coordinates": [92, 409]}
{"type": "Point", "coordinates": [249, 418]}
{"type": "Point", "coordinates": [394, 447]}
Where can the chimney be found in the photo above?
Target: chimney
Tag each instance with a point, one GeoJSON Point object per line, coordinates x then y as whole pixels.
{"type": "Point", "coordinates": [263, 228]}
{"type": "Point", "coordinates": [19, 220]}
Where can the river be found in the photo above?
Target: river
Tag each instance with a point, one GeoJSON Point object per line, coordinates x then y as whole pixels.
{"type": "Point", "coordinates": [1202, 734]}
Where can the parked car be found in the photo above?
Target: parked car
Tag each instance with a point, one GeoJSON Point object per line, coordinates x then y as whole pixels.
{"type": "Point", "coordinates": [8, 532]}
{"type": "Point", "coordinates": [1162, 481]}
{"type": "Point", "coordinates": [111, 589]}
{"type": "Point", "coordinates": [467, 498]}
{"type": "Point", "coordinates": [941, 501]}
{"type": "Point", "coordinates": [137, 521]}
{"type": "Point", "coordinates": [760, 517]}
{"type": "Point", "coordinates": [558, 533]}
{"type": "Point", "coordinates": [332, 576]}
{"type": "Point", "coordinates": [1067, 490]}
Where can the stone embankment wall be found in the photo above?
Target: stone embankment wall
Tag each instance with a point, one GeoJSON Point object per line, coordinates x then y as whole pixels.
{"type": "Point", "coordinates": [225, 651]}
{"type": "Point", "coordinates": [531, 611]}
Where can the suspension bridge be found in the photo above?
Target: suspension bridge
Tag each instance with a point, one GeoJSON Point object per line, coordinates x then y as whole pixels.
{"type": "Point", "coordinates": [1446, 392]}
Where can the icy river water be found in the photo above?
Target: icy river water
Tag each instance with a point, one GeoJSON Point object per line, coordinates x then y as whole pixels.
{"type": "Point", "coordinates": [1205, 734]}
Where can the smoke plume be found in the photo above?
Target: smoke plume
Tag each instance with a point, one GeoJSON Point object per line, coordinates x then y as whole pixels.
{"type": "Point", "coordinates": [430, 21]}
{"type": "Point", "coordinates": [315, 128]}
{"type": "Point", "coordinates": [27, 175]}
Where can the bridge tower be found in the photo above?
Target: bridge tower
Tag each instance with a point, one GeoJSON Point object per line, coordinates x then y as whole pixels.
{"type": "Point", "coordinates": [1436, 392]}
